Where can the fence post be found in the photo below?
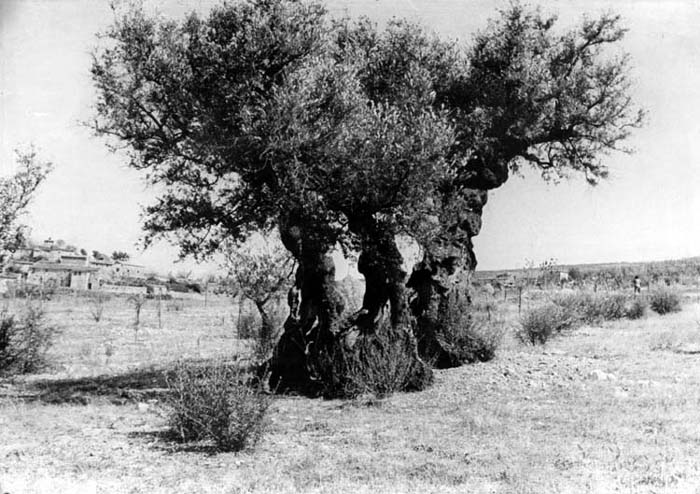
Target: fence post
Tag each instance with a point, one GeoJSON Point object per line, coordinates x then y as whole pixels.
{"type": "Point", "coordinates": [520, 298]}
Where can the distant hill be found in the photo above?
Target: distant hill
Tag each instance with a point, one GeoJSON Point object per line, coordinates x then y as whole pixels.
{"type": "Point", "coordinates": [591, 267]}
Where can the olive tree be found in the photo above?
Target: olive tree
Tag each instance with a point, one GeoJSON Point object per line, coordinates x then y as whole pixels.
{"type": "Point", "coordinates": [268, 114]}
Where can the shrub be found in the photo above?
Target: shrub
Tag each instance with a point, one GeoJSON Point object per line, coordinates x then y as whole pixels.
{"type": "Point", "coordinates": [469, 337]}
{"type": "Point", "coordinates": [24, 341]}
{"type": "Point", "coordinates": [593, 308]}
{"type": "Point", "coordinates": [540, 323]}
{"type": "Point", "coordinates": [636, 309]}
{"type": "Point", "coordinates": [606, 307]}
{"type": "Point", "coordinates": [664, 301]}
{"type": "Point", "coordinates": [378, 364]}
{"type": "Point", "coordinates": [218, 403]}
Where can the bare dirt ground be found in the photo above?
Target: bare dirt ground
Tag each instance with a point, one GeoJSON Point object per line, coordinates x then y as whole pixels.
{"type": "Point", "coordinates": [604, 409]}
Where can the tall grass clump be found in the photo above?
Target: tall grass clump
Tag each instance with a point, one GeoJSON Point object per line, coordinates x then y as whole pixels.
{"type": "Point", "coordinates": [24, 341]}
{"type": "Point", "coordinates": [664, 301]}
{"type": "Point", "coordinates": [218, 403]}
{"type": "Point", "coordinates": [538, 325]}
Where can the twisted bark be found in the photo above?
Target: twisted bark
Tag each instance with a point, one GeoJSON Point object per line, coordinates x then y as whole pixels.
{"type": "Point", "coordinates": [442, 279]}
{"type": "Point", "coordinates": [316, 308]}
{"type": "Point", "coordinates": [319, 339]}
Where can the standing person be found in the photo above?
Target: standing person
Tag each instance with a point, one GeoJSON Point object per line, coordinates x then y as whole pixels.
{"type": "Point", "coordinates": [637, 284]}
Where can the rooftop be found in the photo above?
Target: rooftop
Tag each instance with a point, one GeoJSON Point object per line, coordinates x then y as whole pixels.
{"type": "Point", "coordinates": [54, 266]}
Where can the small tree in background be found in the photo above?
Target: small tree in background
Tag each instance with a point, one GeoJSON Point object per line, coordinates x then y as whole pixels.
{"type": "Point", "coordinates": [118, 255]}
{"type": "Point", "coordinates": [16, 191]}
{"type": "Point", "coordinates": [262, 270]}
{"type": "Point", "coordinates": [547, 270]}
{"type": "Point", "coordinates": [97, 306]}
{"type": "Point", "coordinates": [137, 300]}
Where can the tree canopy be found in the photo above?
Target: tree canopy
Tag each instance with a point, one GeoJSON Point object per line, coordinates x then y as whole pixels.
{"type": "Point", "coordinates": [16, 192]}
{"type": "Point", "coordinates": [268, 106]}
{"type": "Point", "coordinates": [118, 255]}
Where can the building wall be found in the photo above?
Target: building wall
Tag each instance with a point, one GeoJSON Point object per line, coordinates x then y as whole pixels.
{"type": "Point", "coordinates": [56, 278]}
{"type": "Point", "coordinates": [124, 289]}
{"type": "Point", "coordinates": [79, 281]}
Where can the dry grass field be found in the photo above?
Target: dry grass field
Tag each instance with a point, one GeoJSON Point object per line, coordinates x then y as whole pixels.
{"type": "Point", "coordinates": [611, 408]}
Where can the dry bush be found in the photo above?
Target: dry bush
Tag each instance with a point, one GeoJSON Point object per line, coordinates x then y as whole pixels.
{"type": "Point", "coordinates": [24, 341]}
{"type": "Point", "coordinates": [578, 303]}
{"type": "Point", "coordinates": [470, 337]}
{"type": "Point", "coordinates": [378, 365]}
{"type": "Point", "coordinates": [538, 325]}
{"type": "Point", "coordinates": [607, 307]}
{"type": "Point", "coordinates": [636, 309]}
{"type": "Point", "coordinates": [592, 308]}
{"type": "Point", "coordinates": [218, 403]}
{"type": "Point", "coordinates": [664, 301]}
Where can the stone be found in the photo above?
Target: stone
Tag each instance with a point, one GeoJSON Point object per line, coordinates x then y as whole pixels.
{"type": "Point", "coordinates": [599, 375]}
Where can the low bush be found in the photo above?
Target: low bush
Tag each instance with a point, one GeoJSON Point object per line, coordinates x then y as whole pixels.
{"type": "Point", "coordinates": [593, 308]}
{"type": "Point", "coordinates": [379, 365]}
{"type": "Point", "coordinates": [664, 301]}
{"type": "Point", "coordinates": [538, 325]}
{"type": "Point", "coordinates": [218, 403]}
{"type": "Point", "coordinates": [24, 341]}
{"type": "Point", "coordinates": [606, 307]}
{"type": "Point", "coordinates": [636, 309]}
{"type": "Point", "coordinates": [469, 337]}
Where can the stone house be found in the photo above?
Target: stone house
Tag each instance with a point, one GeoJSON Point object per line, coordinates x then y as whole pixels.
{"type": "Point", "coordinates": [66, 275]}
{"type": "Point", "coordinates": [124, 270]}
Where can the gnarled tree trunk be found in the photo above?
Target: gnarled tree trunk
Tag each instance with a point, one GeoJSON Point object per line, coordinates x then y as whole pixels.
{"type": "Point", "coordinates": [321, 349]}
{"type": "Point", "coordinates": [442, 279]}
{"type": "Point", "coordinates": [380, 262]}
{"type": "Point", "coordinates": [315, 310]}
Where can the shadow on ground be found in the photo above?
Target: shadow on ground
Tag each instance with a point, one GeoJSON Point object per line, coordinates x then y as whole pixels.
{"type": "Point", "coordinates": [136, 385]}
{"type": "Point", "coordinates": [168, 441]}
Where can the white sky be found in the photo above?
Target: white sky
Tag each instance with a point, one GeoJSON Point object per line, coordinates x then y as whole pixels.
{"type": "Point", "coordinates": [647, 210]}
